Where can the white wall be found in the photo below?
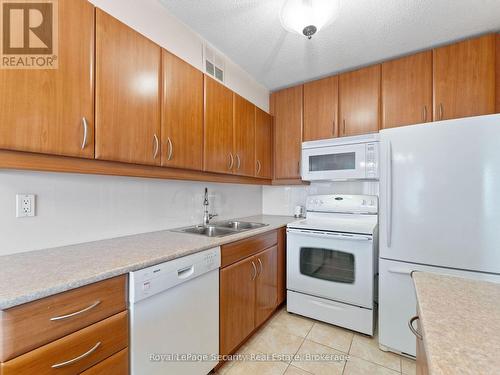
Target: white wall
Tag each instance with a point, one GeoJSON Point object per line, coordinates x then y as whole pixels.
{"type": "Point", "coordinates": [75, 208]}
{"type": "Point", "coordinates": [154, 21]}
{"type": "Point", "coordinates": [281, 200]}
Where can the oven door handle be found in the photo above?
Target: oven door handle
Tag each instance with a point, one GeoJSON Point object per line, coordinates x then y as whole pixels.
{"type": "Point", "coordinates": [338, 236]}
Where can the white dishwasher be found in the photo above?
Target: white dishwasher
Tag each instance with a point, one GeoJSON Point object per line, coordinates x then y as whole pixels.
{"type": "Point", "coordinates": [174, 316]}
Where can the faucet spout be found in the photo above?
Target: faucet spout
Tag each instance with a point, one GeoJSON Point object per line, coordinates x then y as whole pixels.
{"type": "Point", "coordinates": [206, 215]}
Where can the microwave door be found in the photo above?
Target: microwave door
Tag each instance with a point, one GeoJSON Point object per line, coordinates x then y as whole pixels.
{"type": "Point", "coordinates": [334, 163]}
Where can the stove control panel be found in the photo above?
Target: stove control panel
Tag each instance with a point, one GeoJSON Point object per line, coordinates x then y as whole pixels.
{"type": "Point", "coordinates": [343, 203]}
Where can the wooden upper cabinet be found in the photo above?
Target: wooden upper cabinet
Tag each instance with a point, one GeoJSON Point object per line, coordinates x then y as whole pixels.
{"type": "Point", "coordinates": [263, 144]}
{"type": "Point", "coordinates": [464, 78]}
{"type": "Point", "coordinates": [321, 103]}
{"type": "Point", "coordinates": [47, 110]}
{"type": "Point", "coordinates": [237, 301]}
{"type": "Point", "coordinates": [286, 107]}
{"type": "Point", "coordinates": [127, 94]}
{"type": "Point", "coordinates": [244, 136]}
{"type": "Point", "coordinates": [359, 93]}
{"type": "Point", "coordinates": [497, 72]}
{"type": "Point", "coordinates": [407, 90]}
{"type": "Point", "coordinates": [218, 134]}
{"type": "Point", "coordinates": [266, 284]}
{"type": "Point", "coordinates": [182, 114]}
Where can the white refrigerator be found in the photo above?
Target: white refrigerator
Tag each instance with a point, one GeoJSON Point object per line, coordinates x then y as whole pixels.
{"type": "Point", "coordinates": [439, 212]}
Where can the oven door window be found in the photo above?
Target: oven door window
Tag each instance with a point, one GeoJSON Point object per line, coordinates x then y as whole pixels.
{"type": "Point", "coordinates": [332, 162]}
{"type": "Point", "coordinates": [327, 264]}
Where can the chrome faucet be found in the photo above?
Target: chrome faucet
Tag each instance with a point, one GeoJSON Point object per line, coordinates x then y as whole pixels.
{"type": "Point", "coordinates": [207, 216]}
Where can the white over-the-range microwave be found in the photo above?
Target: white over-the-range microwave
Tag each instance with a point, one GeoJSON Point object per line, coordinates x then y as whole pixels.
{"type": "Point", "coordinates": [341, 159]}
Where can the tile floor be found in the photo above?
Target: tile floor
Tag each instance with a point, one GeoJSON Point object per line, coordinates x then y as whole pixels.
{"type": "Point", "coordinates": [289, 334]}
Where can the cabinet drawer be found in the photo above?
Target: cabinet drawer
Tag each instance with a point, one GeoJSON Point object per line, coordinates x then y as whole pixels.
{"type": "Point", "coordinates": [114, 365]}
{"type": "Point", "coordinates": [37, 323]}
{"type": "Point", "coordinates": [74, 353]}
{"type": "Point", "coordinates": [236, 251]}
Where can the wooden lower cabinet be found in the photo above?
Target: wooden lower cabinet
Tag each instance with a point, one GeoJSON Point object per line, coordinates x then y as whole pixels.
{"type": "Point", "coordinates": [266, 284]}
{"type": "Point", "coordinates": [248, 288]}
{"type": "Point", "coordinates": [74, 353]}
{"type": "Point", "coordinates": [281, 266]}
{"type": "Point", "coordinates": [117, 364]}
{"type": "Point", "coordinates": [237, 294]}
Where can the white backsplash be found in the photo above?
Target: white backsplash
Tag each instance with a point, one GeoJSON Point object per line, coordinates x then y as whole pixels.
{"type": "Point", "coordinates": [281, 200]}
{"type": "Point", "coordinates": [72, 208]}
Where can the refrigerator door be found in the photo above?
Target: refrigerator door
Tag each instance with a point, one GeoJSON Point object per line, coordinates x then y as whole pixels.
{"type": "Point", "coordinates": [440, 194]}
{"type": "Point", "coordinates": [397, 301]}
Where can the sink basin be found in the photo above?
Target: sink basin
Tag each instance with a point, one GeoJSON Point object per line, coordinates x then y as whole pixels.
{"type": "Point", "coordinates": [209, 231]}
{"type": "Point", "coordinates": [239, 225]}
{"type": "Point", "coordinates": [221, 228]}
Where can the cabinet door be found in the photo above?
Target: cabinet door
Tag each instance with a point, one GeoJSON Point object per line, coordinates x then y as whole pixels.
{"type": "Point", "coordinates": [47, 110]}
{"type": "Point", "coordinates": [244, 137]}
{"type": "Point", "coordinates": [263, 144]}
{"type": "Point", "coordinates": [464, 79]}
{"type": "Point", "coordinates": [321, 100]}
{"type": "Point", "coordinates": [182, 114]}
{"type": "Point", "coordinates": [286, 107]}
{"type": "Point", "coordinates": [127, 94]}
{"type": "Point", "coordinates": [407, 90]}
{"type": "Point", "coordinates": [218, 138]}
{"type": "Point", "coordinates": [359, 93]}
{"type": "Point", "coordinates": [266, 284]}
{"type": "Point", "coordinates": [117, 364]}
{"type": "Point", "coordinates": [237, 301]}
{"type": "Point", "coordinates": [281, 266]}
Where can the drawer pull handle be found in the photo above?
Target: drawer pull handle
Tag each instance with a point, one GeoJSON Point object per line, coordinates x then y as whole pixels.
{"type": "Point", "coordinates": [80, 357]}
{"type": "Point", "coordinates": [62, 317]}
{"type": "Point", "coordinates": [415, 332]}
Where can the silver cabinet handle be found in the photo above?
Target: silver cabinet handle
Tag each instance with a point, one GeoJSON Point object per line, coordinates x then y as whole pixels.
{"type": "Point", "coordinates": [260, 266]}
{"type": "Point", "coordinates": [63, 317]}
{"type": "Point", "coordinates": [85, 132]}
{"type": "Point", "coordinates": [170, 149]}
{"type": "Point", "coordinates": [333, 125]}
{"type": "Point", "coordinates": [414, 331]}
{"type": "Point", "coordinates": [441, 111]}
{"type": "Point", "coordinates": [231, 161]}
{"type": "Point", "coordinates": [259, 166]}
{"type": "Point", "coordinates": [298, 167]}
{"type": "Point", "coordinates": [156, 146]}
{"type": "Point", "coordinates": [238, 162]}
{"type": "Point", "coordinates": [424, 114]}
{"type": "Point", "coordinates": [80, 357]}
{"type": "Point", "coordinates": [254, 271]}
{"type": "Point", "coordinates": [343, 132]}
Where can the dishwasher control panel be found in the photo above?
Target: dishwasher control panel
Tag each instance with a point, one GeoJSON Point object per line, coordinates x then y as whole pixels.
{"type": "Point", "coordinates": [156, 279]}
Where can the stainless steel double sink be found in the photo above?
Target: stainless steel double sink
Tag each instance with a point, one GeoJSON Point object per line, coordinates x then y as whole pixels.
{"type": "Point", "coordinates": [221, 228]}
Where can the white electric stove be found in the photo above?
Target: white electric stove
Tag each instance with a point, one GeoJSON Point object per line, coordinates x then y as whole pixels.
{"type": "Point", "coordinates": [332, 261]}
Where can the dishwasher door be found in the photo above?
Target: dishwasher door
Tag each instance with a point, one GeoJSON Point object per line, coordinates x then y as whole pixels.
{"type": "Point", "coordinates": [174, 316]}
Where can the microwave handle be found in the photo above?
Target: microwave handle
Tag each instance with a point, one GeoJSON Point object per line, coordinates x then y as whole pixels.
{"type": "Point", "coordinates": [389, 194]}
{"type": "Point", "coordinates": [339, 236]}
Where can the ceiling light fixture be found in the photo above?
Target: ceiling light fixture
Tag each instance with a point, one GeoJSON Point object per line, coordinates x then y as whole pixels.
{"type": "Point", "coordinates": [307, 17]}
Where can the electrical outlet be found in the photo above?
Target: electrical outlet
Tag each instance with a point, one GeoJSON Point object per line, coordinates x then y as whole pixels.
{"type": "Point", "coordinates": [25, 205]}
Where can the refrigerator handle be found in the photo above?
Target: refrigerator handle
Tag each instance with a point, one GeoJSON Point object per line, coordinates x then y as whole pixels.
{"type": "Point", "coordinates": [389, 194]}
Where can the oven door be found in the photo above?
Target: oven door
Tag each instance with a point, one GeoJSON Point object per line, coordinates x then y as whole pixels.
{"type": "Point", "coordinates": [346, 162]}
{"type": "Point", "coordinates": [330, 265]}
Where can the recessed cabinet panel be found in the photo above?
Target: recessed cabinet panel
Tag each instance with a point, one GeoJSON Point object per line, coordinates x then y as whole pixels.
{"type": "Point", "coordinates": [407, 90]}
{"type": "Point", "coordinates": [244, 136]}
{"type": "Point", "coordinates": [321, 109]}
{"type": "Point", "coordinates": [182, 114]}
{"type": "Point", "coordinates": [218, 135]}
{"type": "Point", "coordinates": [359, 93]}
{"type": "Point", "coordinates": [127, 94]}
{"type": "Point", "coordinates": [52, 110]}
{"type": "Point", "coordinates": [464, 78]}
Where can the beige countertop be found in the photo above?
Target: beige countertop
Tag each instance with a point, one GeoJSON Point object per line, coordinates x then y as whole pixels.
{"type": "Point", "coordinates": [29, 276]}
{"type": "Point", "coordinates": [460, 322]}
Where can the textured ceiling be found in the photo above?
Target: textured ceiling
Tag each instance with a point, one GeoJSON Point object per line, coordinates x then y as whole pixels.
{"type": "Point", "coordinates": [366, 31]}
